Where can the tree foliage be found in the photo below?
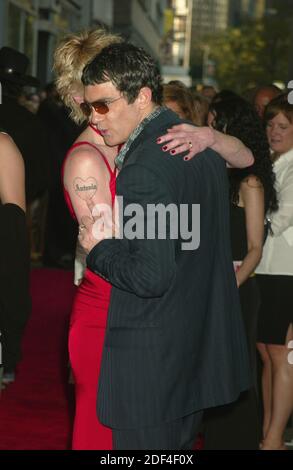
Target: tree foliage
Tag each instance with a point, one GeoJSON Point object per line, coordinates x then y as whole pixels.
{"type": "Point", "coordinates": [256, 53]}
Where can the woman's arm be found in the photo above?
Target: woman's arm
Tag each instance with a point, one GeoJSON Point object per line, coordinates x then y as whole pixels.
{"type": "Point", "coordinates": [252, 197]}
{"type": "Point", "coordinates": [186, 137]}
{"type": "Point", "coordinates": [12, 173]}
{"type": "Point", "coordinates": [86, 179]}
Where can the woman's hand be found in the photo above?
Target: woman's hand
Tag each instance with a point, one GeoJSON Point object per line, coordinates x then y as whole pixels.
{"type": "Point", "coordinates": [186, 137]}
{"type": "Point", "coordinates": [192, 139]}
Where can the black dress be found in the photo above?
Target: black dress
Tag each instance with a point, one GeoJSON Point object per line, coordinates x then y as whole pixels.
{"type": "Point", "coordinates": [15, 301]}
{"type": "Point", "coordinates": [276, 312]}
{"type": "Point", "coordinates": [14, 283]}
{"type": "Point", "coordinates": [237, 426]}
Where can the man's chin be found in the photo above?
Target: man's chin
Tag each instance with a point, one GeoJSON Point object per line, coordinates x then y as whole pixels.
{"type": "Point", "coordinates": [110, 142]}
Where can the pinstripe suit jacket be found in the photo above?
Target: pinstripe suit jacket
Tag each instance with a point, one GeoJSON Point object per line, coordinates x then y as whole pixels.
{"type": "Point", "coordinates": [175, 342]}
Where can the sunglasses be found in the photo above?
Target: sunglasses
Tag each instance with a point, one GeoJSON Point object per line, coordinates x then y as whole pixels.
{"type": "Point", "coordinates": [101, 107]}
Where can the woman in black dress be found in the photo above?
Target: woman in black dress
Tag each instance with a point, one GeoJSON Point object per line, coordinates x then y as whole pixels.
{"type": "Point", "coordinates": [14, 257]}
{"type": "Point", "coordinates": [252, 194]}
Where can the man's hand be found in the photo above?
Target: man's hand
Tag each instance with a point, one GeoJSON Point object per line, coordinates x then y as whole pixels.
{"type": "Point", "coordinates": [96, 228]}
{"type": "Point", "coordinates": [91, 232]}
{"type": "Point", "coordinates": [186, 137]}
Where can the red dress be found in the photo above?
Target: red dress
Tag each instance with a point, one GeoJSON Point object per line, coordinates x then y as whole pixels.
{"type": "Point", "coordinates": [86, 339]}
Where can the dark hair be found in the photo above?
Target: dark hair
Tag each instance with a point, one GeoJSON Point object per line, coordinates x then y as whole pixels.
{"type": "Point", "coordinates": [238, 118]}
{"type": "Point", "coordinates": [280, 104]}
{"type": "Point", "coordinates": [129, 68]}
{"type": "Point", "coordinates": [224, 95]}
{"type": "Point", "coordinates": [177, 83]}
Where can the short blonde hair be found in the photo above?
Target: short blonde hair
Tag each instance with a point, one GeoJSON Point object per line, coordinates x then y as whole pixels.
{"type": "Point", "coordinates": [70, 57]}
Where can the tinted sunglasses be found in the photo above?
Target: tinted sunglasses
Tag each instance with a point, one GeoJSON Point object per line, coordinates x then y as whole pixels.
{"type": "Point", "coordinates": [101, 107]}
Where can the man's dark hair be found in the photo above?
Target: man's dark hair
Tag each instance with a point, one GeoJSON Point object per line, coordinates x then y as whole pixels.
{"type": "Point", "coordinates": [129, 68]}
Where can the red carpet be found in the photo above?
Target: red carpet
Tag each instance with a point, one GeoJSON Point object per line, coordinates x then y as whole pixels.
{"type": "Point", "coordinates": [35, 411]}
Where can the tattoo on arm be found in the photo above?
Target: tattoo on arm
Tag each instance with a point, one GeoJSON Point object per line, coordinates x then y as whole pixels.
{"type": "Point", "coordinates": [85, 189]}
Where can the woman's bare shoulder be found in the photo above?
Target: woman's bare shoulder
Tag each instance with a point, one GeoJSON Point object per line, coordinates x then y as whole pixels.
{"type": "Point", "coordinates": [84, 161]}
{"type": "Point", "coordinates": [84, 155]}
{"type": "Point", "coordinates": [9, 152]}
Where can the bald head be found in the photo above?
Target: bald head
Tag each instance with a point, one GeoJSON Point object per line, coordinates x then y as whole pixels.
{"type": "Point", "coordinates": [263, 97]}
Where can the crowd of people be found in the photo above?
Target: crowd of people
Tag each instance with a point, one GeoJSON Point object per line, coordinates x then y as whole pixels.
{"type": "Point", "coordinates": [163, 341]}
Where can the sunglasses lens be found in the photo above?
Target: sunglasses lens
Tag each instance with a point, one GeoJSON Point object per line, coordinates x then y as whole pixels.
{"type": "Point", "coordinates": [101, 108]}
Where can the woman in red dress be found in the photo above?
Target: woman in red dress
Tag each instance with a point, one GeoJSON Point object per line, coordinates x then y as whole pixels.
{"type": "Point", "coordinates": [88, 176]}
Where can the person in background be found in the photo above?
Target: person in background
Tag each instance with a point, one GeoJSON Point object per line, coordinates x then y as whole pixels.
{"type": "Point", "coordinates": [275, 278]}
{"type": "Point", "coordinates": [180, 100]}
{"type": "Point", "coordinates": [263, 96]}
{"type": "Point", "coordinates": [209, 92]}
{"type": "Point", "coordinates": [30, 101]}
{"type": "Point", "coordinates": [15, 301]}
{"type": "Point", "coordinates": [201, 105]}
{"type": "Point", "coordinates": [24, 127]}
{"type": "Point", "coordinates": [252, 195]}
{"type": "Point", "coordinates": [60, 230]}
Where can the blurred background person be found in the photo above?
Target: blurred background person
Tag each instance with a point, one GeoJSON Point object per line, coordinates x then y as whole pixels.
{"type": "Point", "coordinates": [14, 258]}
{"type": "Point", "coordinates": [31, 101]}
{"type": "Point", "coordinates": [60, 230]}
{"type": "Point", "coordinates": [23, 126]}
{"type": "Point", "coordinates": [201, 105]}
{"type": "Point", "coordinates": [252, 194]}
{"type": "Point", "coordinates": [263, 96]}
{"type": "Point", "coordinates": [275, 278]}
{"type": "Point", "coordinates": [180, 100]}
{"type": "Point", "coordinates": [209, 92]}
{"type": "Point", "coordinates": [30, 136]}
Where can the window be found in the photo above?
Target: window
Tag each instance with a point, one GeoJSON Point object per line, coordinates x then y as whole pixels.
{"type": "Point", "coordinates": [21, 31]}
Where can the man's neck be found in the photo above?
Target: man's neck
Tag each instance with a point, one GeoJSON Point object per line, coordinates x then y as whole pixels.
{"type": "Point", "coordinates": [154, 111]}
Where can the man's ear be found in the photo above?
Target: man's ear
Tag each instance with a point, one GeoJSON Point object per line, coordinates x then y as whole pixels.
{"type": "Point", "coordinates": [144, 97]}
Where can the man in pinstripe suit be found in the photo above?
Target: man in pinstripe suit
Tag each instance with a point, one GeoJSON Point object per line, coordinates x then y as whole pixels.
{"type": "Point", "coordinates": [175, 343]}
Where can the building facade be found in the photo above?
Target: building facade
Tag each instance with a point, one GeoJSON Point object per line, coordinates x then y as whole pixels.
{"type": "Point", "coordinates": [243, 10]}
{"type": "Point", "coordinates": [175, 44]}
{"type": "Point", "coordinates": [209, 17]}
{"type": "Point", "coordinates": [35, 26]}
{"type": "Point", "coordinates": [141, 22]}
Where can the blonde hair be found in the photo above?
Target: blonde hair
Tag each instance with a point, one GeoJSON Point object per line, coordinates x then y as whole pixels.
{"type": "Point", "coordinates": [70, 57]}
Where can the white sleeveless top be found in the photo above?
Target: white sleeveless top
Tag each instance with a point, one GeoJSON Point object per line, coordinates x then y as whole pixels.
{"type": "Point", "coordinates": [277, 255]}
